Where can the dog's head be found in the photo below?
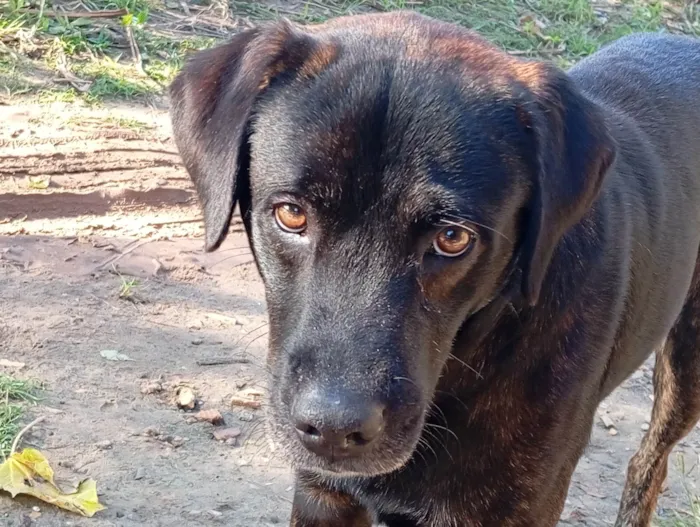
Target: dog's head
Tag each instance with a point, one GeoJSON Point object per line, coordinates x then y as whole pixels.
{"type": "Point", "coordinates": [392, 172]}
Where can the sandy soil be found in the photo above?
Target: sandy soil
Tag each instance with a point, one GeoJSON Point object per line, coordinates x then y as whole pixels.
{"type": "Point", "coordinates": [118, 207]}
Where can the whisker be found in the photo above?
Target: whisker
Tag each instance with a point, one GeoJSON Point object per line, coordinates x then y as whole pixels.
{"type": "Point", "coordinates": [432, 425]}
{"type": "Point", "coordinates": [228, 249]}
{"type": "Point", "coordinates": [422, 442]}
{"type": "Point", "coordinates": [426, 444]}
{"type": "Point", "coordinates": [434, 406]}
{"type": "Point", "coordinates": [464, 405]}
{"type": "Point", "coordinates": [249, 332]}
{"type": "Point", "coordinates": [442, 444]}
{"type": "Point", "coordinates": [255, 339]}
{"type": "Point", "coordinates": [467, 220]}
{"type": "Point", "coordinates": [478, 373]}
{"type": "Point", "coordinates": [231, 258]}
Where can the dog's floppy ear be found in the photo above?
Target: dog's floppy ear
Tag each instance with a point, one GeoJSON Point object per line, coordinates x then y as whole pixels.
{"type": "Point", "coordinates": [574, 150]}
{"type": "Point", "coordinates": [212, 100]}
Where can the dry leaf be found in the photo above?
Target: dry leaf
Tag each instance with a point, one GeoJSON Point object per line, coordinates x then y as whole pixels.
{"type": "Point", "coordinates": [29, 472]}
{"type": "Point", "coordinates": [114, 355]}
{"type": "Point", "coordinates": [39, 183]}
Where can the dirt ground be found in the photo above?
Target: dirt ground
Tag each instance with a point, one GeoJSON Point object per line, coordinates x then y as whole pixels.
{"type": "Point", "coordinates": [108, 257]}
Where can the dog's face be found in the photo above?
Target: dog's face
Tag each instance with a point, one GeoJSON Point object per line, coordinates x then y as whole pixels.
{"type": "Point", "coordinates": [394, 173]}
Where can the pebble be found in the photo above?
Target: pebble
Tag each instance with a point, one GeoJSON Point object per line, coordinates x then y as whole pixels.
{"type": "Point", "coordinates": [36, 509]}
{"type": "Point", "coordinates": [607, 422]}
{"type": "Point", "coordinates": [197, 342]}
{"type": "Point", "coordinates": [613, 432]}
{"type": "Point", "coordinates": [211, 416]}
{"type": "Point", "coordinates": [140, 474]}
{"type": "Point", "coordinates": [151, 432]}
{"type": "Point", "coordinates": [151, 387]}
{"type": "Point", "coordinates": [226, 433]}
{"type": "Point", "coordinates": [186, 398]}
{"type": "Point", "coordinates": [246, 417]}
{"type": "Point", "coordinates": [104, 445]}
{"type": "Point", "coordinates": [645, 427]}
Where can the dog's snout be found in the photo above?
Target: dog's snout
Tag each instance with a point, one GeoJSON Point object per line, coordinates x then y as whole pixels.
{"type": "Point", "coordinates": [337, 425]}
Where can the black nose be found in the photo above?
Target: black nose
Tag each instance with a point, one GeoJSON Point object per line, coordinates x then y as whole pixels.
{"type": "Point", "coordinates": [337, 425]}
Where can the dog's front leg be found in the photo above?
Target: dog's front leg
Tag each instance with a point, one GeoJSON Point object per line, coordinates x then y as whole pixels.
{"type": "Point", "coordinates": [315, 506]}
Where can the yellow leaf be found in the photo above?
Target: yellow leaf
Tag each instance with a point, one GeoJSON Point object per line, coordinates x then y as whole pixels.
{"type": "Point", "coordinates": [39, 183]}
{"type": "Point", "coordinates": [29, 472]}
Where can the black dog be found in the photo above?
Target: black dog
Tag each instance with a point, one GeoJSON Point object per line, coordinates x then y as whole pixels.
{"type": "Point", "coordinates": [463, 253]}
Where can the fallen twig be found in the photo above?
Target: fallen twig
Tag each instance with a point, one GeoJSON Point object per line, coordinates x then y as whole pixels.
{"type": "Point", "coordinates": [108, 13]}
{"type": "Point", "coordinates": [24, 430]}
{"type": "Point", "coordinates": [135, 53]}
{"type": "Point", "coordinates": [216, 361]}
{"type": "Point", "coordinates": [246, 403]}
{"type": "Point", "coordinates": [172, 222]}
{"type": "Point", "coordinates": [126, 251]}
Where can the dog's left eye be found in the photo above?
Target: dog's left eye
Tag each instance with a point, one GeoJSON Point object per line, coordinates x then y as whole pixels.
{"type": "Point", "coordinates": [290, 218]}
{"type": "Point", "coordinates": [453, 241]}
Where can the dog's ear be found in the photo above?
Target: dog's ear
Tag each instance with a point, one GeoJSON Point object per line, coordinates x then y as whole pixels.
{"type": "Point", "coordinates": [574, 151]}
{"type": "Point", "coordinates": [212, 101]}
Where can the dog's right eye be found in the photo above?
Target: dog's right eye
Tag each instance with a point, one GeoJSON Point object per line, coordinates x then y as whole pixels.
{"type": "Point", "coordinates": [453, 241]}
{"type": "Point", "coordinates": [290, 218]}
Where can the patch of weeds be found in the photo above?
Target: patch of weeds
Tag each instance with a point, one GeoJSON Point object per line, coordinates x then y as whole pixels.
{"type": "Point", "coordinates": [164, 57]}
{"type": "Point", "coordinates": [13, 393]}
{"type": "Point", "coordinates": [689, 516]}
{"type": "Point", "coordinates": [11, 79]}
{"type": "Point", "coordinates": [635, 17]}
{"type": "Point", "coordinates": [130, 124]}
{"type": "Point", "coordinates": [110, 122]}
{"type": "Point", "coordinates": [127, 288]}
{"type": "Point", "coordinates": [51, 95]}
{"type": "Point", "coordinates": [111, 79]}
{"type": "Point", "coordinates": [79, 36]}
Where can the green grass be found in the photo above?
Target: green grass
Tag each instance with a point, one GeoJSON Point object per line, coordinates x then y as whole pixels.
{"type": "Point", "coordinates": [689, 515]}
{"type": "Point", "coordinates": [14, 394]}
{"type": "Point", "coordinates": [98, 51]}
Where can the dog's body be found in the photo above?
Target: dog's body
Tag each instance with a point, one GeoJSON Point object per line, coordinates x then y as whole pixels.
{"type": "Point", "coordinates": [431, 388]}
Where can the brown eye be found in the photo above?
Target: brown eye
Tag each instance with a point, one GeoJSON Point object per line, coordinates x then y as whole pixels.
{"type": "Point", "coordinates": [290, 218]}
{"type": "Point", "coordinates": [453, 241]}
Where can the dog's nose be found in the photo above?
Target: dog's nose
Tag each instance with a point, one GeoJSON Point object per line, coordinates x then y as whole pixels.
{"type": "Point", "coordinates": [337, 425]}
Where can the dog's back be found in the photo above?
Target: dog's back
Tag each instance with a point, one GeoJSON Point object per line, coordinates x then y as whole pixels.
{"type": "Point", "coordinates": [653, 80]}
{"type": "Point", "coordinates": [649, 84]}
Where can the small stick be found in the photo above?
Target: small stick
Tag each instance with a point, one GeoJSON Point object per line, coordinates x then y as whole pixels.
{"type": "Point", "coordinates": [24, 430]}
{"type": "Point", "coordinates": [172, 222]}
{"type": "Point", "coordinates": [216, 361]}
{"type": "Point", "coordinates": [135, 53]}
{"type": "Point", "coordinates": [109, 13]}
{"type": "Point", "coordinates": [126, 251]}
{"type": "Point", "coordinates": [247, 403]}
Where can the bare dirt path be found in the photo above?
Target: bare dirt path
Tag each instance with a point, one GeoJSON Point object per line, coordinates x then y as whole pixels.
{"type": "Point", "coordinates": [100, 250]}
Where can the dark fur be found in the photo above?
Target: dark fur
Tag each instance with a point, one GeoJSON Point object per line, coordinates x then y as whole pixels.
{"type": "Point", "coordinates": [584, 189]}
